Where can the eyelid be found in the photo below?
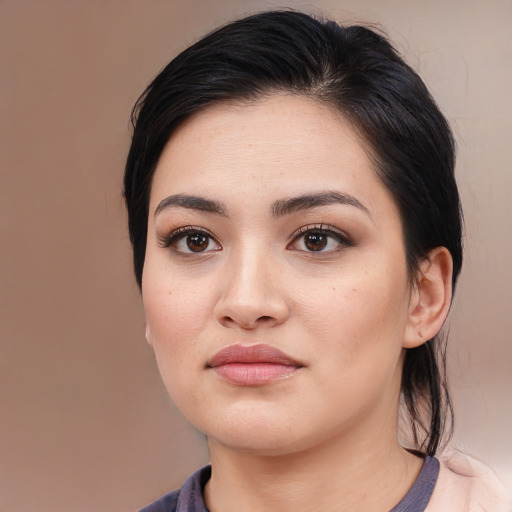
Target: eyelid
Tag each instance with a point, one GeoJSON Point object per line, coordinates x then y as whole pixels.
{"type": "Point", "coordinates": [167, 239]}
{"type": "Point", "coordinates": [341, 236]}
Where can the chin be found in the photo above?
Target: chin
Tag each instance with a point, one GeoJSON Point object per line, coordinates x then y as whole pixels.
{"type": "Point", "coordinates": [266, 438]}
{"type": "Point", "coordinates": [252, 434]}
{"type": "Point", "coordinates": [258, 445]}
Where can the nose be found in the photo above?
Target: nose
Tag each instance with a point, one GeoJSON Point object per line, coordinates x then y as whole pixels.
{"type": "Point", "coordinates": [250, 295]}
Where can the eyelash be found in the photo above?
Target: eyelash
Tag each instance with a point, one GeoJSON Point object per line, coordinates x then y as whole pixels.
{"type": "Point", "coordinates": [339, 236]}
{"type": "Point", "coordinates": [178, 234]}
{"type": "Point", "coordinates": [181, 233]}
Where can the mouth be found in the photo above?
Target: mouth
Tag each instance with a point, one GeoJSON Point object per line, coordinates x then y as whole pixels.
{"type": "Point", "coordinates": [253, 365]}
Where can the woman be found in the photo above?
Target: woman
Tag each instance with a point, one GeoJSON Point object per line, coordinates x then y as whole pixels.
{"type": "Point", "coordinates": [296, 231]}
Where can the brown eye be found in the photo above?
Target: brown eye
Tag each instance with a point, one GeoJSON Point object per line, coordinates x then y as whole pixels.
{"type": "Point", "coordinates": [198, 242]}
{"type": "Point", "coordinates": [189, 240]}
{"type": "Point", "coordinates": [320, 239]}
{"type": "Point", "coordinates": [315, 241]}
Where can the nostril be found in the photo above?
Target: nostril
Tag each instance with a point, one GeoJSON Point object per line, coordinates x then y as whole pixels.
{"type": "Point", "coordinates": [251, 311]}
{"type": "Point", "coordinates": [265, 320]}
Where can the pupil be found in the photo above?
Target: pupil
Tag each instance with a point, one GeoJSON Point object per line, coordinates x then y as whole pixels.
{"type": "Point", "coordinates": [316, 241]}
{"type": "Point", "coordinates": [197, 242]}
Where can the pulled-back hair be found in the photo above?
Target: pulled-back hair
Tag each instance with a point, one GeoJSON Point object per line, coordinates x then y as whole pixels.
{"type": "Point", "coordinates": [358, 72]}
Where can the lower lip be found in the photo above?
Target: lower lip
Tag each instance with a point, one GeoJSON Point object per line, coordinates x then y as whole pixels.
{"type": "Point", "coordinates": [254, 374]}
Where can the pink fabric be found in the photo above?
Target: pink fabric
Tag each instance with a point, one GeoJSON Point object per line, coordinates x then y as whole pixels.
{"type": "Point", "coordinates": [467, 485]}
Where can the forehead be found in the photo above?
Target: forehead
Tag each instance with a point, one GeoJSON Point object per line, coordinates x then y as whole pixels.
{"type": "Point", "coordinates": [289, 143]}
{"type": "Point", "coordinates": [271, 121]}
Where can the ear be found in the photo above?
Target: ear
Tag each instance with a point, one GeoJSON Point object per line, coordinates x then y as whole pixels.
{"type": "Point", "coordinates": [149, 338]}
{"type": "Point", "coordinates": [430, 298]}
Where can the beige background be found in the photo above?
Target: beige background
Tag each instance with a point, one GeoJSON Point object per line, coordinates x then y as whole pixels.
{"type": "Point", "coordinates": [85, 424]}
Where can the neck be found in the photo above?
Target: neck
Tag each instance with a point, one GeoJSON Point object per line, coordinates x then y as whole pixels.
{"type": "Point", "coordinates": [353, 472]}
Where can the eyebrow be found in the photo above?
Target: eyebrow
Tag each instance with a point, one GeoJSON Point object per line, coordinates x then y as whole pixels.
{"type": "Point", "coordinates": [193, 203]}
{"type": "Point", "coordinates": [279, 208]}
{"type": "Point", "coordinates": [309, 201]}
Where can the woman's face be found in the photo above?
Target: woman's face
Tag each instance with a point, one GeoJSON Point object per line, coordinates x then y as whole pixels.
{"type": "Point", "coordinates": [275, 284]}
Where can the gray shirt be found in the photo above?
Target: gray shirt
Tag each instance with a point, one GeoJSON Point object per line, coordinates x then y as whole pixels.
{"type": "Point", "coordinates": [190, 497]}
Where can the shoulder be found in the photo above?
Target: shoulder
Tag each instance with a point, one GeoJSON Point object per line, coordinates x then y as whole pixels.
{"type": "Point", "coordinates": [167, 503]}
{"type": "Point", "coordinates": [468, 485]}
{"type": "Point", "coordinates": [188, 498]}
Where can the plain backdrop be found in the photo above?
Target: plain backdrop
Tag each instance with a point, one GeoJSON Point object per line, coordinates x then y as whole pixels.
{"type": "Point", "coordinates": [85, 424]}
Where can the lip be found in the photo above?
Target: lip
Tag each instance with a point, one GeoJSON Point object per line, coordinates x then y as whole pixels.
{"type": "Point", "coordinates": [253, 365]}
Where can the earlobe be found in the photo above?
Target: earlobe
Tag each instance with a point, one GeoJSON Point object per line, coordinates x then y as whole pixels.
{"type": "Point", "coordinates": [430, 299]}
{"type": "Point", "coordinates": [148, 336]}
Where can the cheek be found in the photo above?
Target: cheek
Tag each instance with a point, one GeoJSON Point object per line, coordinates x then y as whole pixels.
{"type": "Point", "coordinates": [173, 321]}
{"type": "Point", "coordinates": [361, 316]}
{"type": "Point", "coordinates": [363, 300]}
{"type": "Point", "coordinates": [175, 316]}
{"type": "Point", "coordinates": [359, 340]}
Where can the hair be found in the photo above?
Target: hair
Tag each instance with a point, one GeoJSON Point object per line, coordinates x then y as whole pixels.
{"type": "Point", "coordinates": [358, 72]}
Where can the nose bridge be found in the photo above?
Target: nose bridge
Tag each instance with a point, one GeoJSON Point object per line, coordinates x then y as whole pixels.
{"type": "Point", "coordinates": [249, 276]}
{"type": "Point", "coordinates": [251, 294]}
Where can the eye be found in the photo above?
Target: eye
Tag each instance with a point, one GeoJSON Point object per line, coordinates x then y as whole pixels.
{"type": "Point", "coordinates": [319, 239]}
{"type": "Point", "coordinates": [190, 239]}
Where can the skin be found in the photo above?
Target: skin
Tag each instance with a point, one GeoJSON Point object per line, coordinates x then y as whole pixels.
{"type": "Point", "coordinates": [344, 312]}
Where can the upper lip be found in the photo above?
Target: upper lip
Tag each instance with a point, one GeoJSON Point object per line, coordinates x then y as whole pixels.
{"type": "Point", "coordinates": [259, 353]}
